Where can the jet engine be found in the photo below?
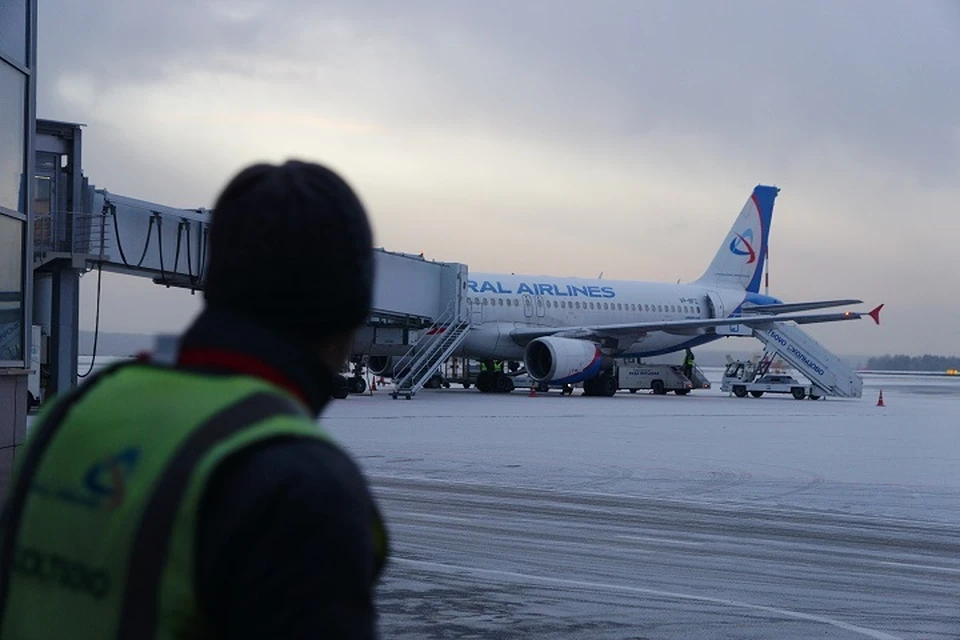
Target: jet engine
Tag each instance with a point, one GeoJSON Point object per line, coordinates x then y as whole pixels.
{"type": "Point", "coordinates": [562, 360]}
{"type": "Point", "coordinates": [386, 366]}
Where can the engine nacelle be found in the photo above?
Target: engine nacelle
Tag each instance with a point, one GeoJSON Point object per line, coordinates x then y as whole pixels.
{"type": "Point", "coordinates": [562, 360]}
{"type": "Point", "coordinates": [386, 366]}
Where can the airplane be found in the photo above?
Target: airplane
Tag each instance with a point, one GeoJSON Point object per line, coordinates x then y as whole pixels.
{"type": "Point", "coordinates": [569, 330]}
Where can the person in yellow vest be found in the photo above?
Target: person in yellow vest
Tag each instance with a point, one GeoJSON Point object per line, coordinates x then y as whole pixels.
{"type": "Point", "coordinates": [688, 362]}
{"type": "Point", "coordinates": [200, 498]}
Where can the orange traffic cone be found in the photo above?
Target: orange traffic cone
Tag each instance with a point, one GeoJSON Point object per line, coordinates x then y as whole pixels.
{"type": "Point", "coordinates": [533, 391]}
{"type": "Point", "coordinates": [373, 385]}
{"type": "Point", "coordinates": [880, 399]}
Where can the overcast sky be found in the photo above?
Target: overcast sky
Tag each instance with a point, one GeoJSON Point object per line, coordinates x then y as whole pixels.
{"type": "Point", "coordinates": [565, 138]}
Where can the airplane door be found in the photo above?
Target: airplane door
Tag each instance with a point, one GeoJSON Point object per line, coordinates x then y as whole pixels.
{"type": "Point", "coordinates": [527, 305]}
{"type": "Point", "coordinates": [540, 307]}
{"type": "Point", "coordinates": [714, 306]}
{"type": "Point", "coordinates": [476, 311]}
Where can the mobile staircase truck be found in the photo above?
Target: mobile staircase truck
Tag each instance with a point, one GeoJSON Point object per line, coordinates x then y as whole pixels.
{"type": "Point", "coordinates": [741, 377]}
{"type": "Point", "coordinates": [828, 375]}
{"type": "Point", "coordinates": [633, 375]}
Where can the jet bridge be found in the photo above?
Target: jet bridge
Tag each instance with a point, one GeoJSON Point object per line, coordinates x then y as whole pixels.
{"type": "Point", "coordinates": [170, 246]}
{"type": "Point", "coordinates": [80, 228]}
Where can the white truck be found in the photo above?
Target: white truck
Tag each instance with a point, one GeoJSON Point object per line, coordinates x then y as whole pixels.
{"type": "Point", "coordinates": [742, 377]}
{"type": "Point", "coordinates": [660, 378]}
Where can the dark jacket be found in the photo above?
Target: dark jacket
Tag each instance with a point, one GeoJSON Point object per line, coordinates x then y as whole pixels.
{"type": "Point", "coordinates": [284, 543]}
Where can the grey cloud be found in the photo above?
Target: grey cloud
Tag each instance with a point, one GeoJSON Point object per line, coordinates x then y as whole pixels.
{"type": "Point", "coordinates": [813, 95]}
{"type": "Point", "coordinates": [763, 77]}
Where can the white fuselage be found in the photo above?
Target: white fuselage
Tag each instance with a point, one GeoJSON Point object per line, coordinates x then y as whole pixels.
{"type": "Point", "coordinates": [499, 303]}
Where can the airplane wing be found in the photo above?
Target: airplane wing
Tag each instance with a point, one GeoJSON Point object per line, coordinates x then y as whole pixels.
{"type": "Point", "coordinates": [789, 307]}
{"type": "Point", "coordinates": [600, 333]}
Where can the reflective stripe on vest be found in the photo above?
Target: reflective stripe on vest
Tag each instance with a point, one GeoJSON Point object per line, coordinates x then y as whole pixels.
{"type": "Point", "coordinates": [138, 618]}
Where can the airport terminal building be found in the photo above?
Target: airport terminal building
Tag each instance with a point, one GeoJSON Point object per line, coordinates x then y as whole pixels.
{"type": "Point", "coordinates": [18, 55]}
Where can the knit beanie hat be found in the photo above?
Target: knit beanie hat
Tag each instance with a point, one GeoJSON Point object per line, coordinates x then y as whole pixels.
{"type": "Point", "coordinates": [291, 247]}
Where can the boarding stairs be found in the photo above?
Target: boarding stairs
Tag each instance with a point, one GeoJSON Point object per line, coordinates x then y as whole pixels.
{"type": "Point", "coordinates": [825, 370]}
{"type": "Point", "coordinates": [765, 363]}
{"type": "Point", "coordinates": [698, 379]}
{"type": "Point", "coordinates": [429, 352]}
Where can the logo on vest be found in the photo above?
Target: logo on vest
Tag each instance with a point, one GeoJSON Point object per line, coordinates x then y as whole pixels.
{"type": "Point", "coordinates": [104, 484]}
{"type": "Point", "coordinates": [60, 571]}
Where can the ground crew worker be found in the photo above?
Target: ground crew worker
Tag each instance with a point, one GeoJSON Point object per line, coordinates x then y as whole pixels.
{"type": "Point", "coordinates": [199, 498]}
{"type": "Point", "coordinates": [688, 362]}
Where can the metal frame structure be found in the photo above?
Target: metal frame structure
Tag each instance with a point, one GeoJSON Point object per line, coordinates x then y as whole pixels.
{"type": "Point", "coordinates": [13, 372]}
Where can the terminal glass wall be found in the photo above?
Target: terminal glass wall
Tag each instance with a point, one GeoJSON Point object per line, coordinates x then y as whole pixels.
{"type": "Point", "coordinates": [15, 130]}
{"type": "Point", "coordinates": [13, 99]}
{"type": "Point", "coordinates": [13, 31]}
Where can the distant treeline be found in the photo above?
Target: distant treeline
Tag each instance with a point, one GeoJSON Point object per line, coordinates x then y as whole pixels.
{"type": "Point", "coordinates": [913, 363]}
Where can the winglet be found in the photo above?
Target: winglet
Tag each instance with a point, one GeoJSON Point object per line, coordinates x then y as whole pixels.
{"type": "Point", "coordinates": [875, 314]}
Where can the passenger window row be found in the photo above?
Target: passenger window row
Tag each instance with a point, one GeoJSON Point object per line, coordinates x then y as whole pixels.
{"type": "Point", "coordinates": [601, 306]}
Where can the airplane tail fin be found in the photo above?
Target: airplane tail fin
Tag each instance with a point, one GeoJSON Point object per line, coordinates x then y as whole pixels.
{"type": "Point", "coordinates": [740, 259]}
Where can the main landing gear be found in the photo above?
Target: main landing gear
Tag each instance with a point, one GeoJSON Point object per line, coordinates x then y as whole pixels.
{"type": "Point", "coordinates": [356, 382]}
{"type": "Point", "coordinates": [603, 385]}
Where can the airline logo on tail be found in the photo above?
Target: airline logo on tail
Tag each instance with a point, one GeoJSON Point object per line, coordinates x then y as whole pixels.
{"type": "Point", "coordinates": [741, 242]}
{"type": "Point", "coordinates": [738, 263]}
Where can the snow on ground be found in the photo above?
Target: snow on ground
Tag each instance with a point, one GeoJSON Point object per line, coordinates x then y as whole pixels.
{"type": "Point", "coordinates": [849, 455]}
{"type": "Point", "coordinates": [642, 516]}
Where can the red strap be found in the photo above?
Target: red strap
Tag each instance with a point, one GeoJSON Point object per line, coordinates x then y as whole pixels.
{"type": "Point", "coordinates": [238, 363]}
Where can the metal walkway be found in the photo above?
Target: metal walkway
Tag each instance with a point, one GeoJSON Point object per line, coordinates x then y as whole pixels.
{"type": "Point", "coordinates": [825, 370]}
{"type": "Point", "coordinates": [168, 245]}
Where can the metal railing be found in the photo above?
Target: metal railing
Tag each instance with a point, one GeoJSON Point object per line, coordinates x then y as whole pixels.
{"type": "Point", "coordinates": [70, 232]}
{"type": "Point", "coordinates": [441, 338]}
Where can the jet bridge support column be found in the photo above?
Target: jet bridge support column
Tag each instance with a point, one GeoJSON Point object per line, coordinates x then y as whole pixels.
{"type": "Point", "coordinates": [61, 246]}
{"type": "Point", "coordinates": [64, 340]}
